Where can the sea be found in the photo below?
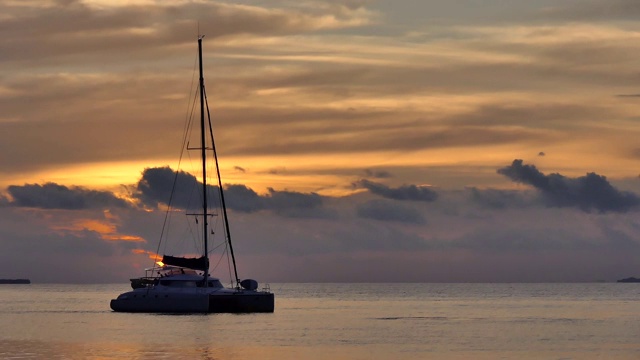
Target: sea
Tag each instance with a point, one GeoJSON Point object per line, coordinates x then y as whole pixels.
{"type": "Point", "coordinates": [334, 321]}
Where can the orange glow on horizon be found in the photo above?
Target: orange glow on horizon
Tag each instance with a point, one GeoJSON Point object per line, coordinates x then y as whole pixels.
{"type": "Point", "coordinates": [325, 175]}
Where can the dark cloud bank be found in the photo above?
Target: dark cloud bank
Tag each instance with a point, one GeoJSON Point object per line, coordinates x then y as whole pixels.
{"type": "Point", "coordinates": [157, 185]}
{"type": "Point", "coordinates": [387, 210]}
{"type": "Point", "coordinates": [163, 186]}
{"type": "Point", "coordinates": [591, 192]}
{"type": "Point", "coordinates": [54, 196]}
{"type": "Point", "coordinates": [404, 192]}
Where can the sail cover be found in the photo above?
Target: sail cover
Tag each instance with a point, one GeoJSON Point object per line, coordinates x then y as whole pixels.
{"type": "Point", "coordinates": [191, 263]}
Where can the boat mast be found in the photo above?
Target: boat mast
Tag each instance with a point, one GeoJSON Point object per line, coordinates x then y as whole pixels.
{"type": "Point", "coordinates": [222, 202]}
{"type": "Point", "coordinates": [203, 154]}
{"type": "Point", "coordinates": [215, 157]}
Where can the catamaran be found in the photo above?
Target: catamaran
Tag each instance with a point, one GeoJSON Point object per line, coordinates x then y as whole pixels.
{"type": "Point", "coordinates": [184, 285]}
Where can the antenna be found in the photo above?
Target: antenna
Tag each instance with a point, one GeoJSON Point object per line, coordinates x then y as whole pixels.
{"type": "Point", "coordinates": [200, 36]}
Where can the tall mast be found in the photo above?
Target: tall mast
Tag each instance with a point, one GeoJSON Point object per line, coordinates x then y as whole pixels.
{"type": "Point", "coordinates": [204, 173]}
{"type": "Point", "coordinates": [203, 154]}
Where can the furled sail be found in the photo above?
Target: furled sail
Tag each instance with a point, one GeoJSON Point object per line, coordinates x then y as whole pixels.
{"type": "Point", "coordinates": [190, 263]}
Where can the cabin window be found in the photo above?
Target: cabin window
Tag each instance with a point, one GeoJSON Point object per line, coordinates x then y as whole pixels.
{"type": "Point", "coordinates": [177, 283]}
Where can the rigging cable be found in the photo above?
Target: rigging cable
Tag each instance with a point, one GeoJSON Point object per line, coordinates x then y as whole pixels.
{"type": "Point", "coordinates": [224, 207]}
{"type": "Point", "coordinates": [187, 127]}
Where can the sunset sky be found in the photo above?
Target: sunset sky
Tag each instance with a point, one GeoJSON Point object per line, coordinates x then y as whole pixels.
{"type": "Point", "coordinates": [378, 141]}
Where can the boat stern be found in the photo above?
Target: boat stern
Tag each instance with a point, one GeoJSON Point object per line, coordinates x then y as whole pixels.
{"type": "Point", "coordinates": [242, 302]}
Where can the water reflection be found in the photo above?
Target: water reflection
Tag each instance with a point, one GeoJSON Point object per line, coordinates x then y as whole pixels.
{"type": "Point", "coordinates": [35, 349]}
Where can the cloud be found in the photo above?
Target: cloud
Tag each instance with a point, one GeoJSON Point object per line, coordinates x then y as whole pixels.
{"type": "Point", "coordinates": [385, 210]}
{"type": "Point", "coordinates": [378, 174]}
{"type": "Point", "coordinates": [589, 192]}
{"type": "Point", "coordinates": [157, 184]}
{"type": "Point", "coordinates": [499, 199]}
{"type": "Point", "coordinates": [55, 196]}
{"type": "Point", "coordinates": [286, 199]}
{"type": "Point", "coordinates": [594, 10]}
{"type": "Point", "coordinates": [404, 108]}
{"type": "Point", "coordinates": [162, 185]}
{"type": "Point", "coordinates": [404, 192]}
{"type": "Point", "coordinates": [373, 131]}
{"type": "Point", "coordinates": [106, 228]}
{"type": "Point", "coordinates": [77, 28]}
{"type": "Point", "coordinates": [296, 204]}
{"type": "Point", "coordinates": [241, 198]}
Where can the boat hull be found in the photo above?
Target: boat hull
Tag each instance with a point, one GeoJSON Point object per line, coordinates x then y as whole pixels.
{"type": "Point", "coordinates": [240, 302]}
{"type": "Point", "coordinates": [15, 281]}
{"type": "Point", "coordinates": [246, 303]}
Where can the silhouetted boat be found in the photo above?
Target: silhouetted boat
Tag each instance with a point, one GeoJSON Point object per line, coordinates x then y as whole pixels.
{"type": "Point", "coordinates": [181, 284]}
{"type": "Point", "coordinates": [629, 280]}
{"type": "Point", "coordinates": [15, 281]}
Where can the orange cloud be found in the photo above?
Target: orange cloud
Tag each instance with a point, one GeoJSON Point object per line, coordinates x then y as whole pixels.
{"type": "Point", "coordinates": [108, 231]}
{"type": "Point", "coordinates": [119, 237]}
{"type": "Point", "coordinates": [151, 254]}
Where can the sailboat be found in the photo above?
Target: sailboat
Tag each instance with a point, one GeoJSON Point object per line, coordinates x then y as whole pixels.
{"type": "Point", "coordinates": [184, 285]}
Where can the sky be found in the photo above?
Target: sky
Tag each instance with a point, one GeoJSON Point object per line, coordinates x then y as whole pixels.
{"type": "Point", "coordinates": [359, 141]}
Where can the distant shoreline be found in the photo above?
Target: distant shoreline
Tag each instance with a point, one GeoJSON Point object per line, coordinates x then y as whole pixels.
{"type": "Point", "coordinates": [15, 281]}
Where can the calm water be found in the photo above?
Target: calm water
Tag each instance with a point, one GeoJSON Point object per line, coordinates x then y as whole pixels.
{"type": "Point", "coordinates": [334, 321]}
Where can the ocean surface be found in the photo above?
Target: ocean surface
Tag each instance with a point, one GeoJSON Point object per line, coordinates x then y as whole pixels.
{"type": "Point", "coordinates": [334, 321]}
